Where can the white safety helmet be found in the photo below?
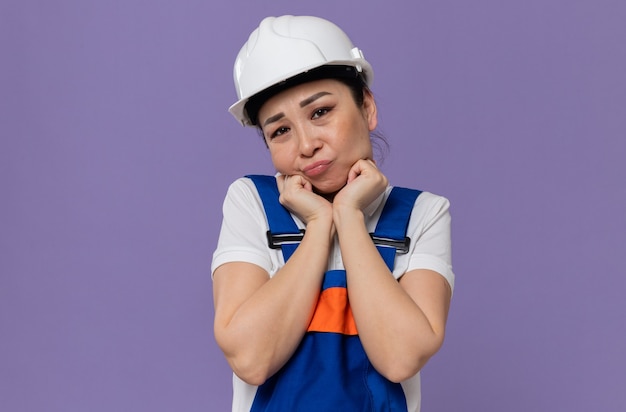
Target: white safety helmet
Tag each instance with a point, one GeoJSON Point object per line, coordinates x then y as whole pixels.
{"type": "Point", "coordinates": [284, 47]}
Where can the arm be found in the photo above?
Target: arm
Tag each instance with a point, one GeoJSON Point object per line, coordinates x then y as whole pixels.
{"type": "Point", "coordinates": [401, 324]}
{"type": "Point", "coordinates": [260, 321]}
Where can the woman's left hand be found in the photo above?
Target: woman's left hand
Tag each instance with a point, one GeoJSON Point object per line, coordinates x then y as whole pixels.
{"type": "Point", "coordinates": [365, 183]}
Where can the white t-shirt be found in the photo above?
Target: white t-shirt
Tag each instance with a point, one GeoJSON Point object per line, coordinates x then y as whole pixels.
{"type": "Point", "coordinates": [243, 239]}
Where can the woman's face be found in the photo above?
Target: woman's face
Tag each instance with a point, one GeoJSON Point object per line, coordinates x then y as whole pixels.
{"type": "Point", "coordinates": [316, 130]}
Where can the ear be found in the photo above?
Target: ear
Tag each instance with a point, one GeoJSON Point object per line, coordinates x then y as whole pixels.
{"type": "Point", "coordinates": [369, 110]}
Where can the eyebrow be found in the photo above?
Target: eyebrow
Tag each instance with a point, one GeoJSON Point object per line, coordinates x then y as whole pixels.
{"type": "Point", "coordinates": [303, 103]}
{"type": "Point", "coordinates": [273, 119]}
{"type": "Point", "coordinates": [313, 98]}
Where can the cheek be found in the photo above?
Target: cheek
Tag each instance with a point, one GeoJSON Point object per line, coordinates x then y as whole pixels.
{"type": "Point", "coordinates": [279, 159]}
{"type": "Point", "coordinates": [361, 142]}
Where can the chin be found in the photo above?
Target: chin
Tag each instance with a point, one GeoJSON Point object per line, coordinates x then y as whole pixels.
{"type": "Point", "coordinates": [327, 191]}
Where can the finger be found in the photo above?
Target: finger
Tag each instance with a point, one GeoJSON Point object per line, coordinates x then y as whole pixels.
{"type": "Point", "coordinates": [297, 181]}
{"type": "Point", "coordinates": [280, 182]}
{"type": "Point", "coordinates": [357, 169]}
{"type": "Point", "coordinates": [353, 173]}
{"type": "Point", "coordinates": [307, 185]}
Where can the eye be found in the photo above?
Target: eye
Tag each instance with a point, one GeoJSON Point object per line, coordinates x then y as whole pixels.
{"type": "Point", "coordinates": [279, 132]}
{"type": "Point", "coordinates": [320, 112]}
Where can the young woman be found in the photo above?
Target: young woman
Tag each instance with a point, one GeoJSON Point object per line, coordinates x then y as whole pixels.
{"type": "Point", "coordinates": [341, 311]}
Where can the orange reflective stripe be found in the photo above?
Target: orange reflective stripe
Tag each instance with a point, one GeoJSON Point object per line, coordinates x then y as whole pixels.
{"type": "Point", "coordinates": [333, 313]}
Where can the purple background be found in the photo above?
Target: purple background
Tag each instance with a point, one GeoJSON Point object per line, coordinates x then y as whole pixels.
{"type": "Point", "coordinates": [116, 150]}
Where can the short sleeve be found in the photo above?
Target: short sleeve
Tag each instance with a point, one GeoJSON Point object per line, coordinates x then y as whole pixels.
{"type": "Point", "coordinates": [242, 234]}
{"type": "Point", "coordinates": [429, 229]}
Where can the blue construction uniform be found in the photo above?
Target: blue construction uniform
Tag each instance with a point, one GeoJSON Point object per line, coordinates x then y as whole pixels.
{"type": "Point", "coordinates": [329, 370]}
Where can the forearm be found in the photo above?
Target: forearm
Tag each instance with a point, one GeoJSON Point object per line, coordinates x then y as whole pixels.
{"type": "Point", "coordinates": [396, 333]}
{"type": "Point", "coordinates": [267, 327]}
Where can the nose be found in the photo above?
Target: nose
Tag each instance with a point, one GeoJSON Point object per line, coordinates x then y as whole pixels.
{"type": "Point", "coordinates": [309, 141]}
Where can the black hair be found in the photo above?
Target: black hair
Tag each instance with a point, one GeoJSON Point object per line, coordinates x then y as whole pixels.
{"type": "Point", "coordinates": [345, 74]}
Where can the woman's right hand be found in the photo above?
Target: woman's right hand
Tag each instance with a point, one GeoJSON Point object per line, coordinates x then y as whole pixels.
{"type": "Point", "coordinates": [260, 320]}
{"type": "Point", "coordinates": [296, 194]}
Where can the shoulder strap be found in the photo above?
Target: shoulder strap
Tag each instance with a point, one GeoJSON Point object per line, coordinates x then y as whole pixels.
{"type": "Point", "coordinates": [390, 234]}
{"type": "Point", "coordinates": [283, 232]}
